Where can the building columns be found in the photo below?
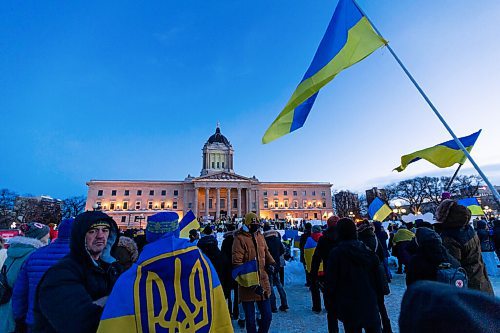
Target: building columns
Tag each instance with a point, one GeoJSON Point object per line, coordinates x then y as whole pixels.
{"type": "Point", "coordinates": [239, 202]}
{"type": "Point", "coordinates": [228, 203]}
{"type": "Point", "coordinates": [257, 203]}
{"type": "Point", "coordinates": [249, 200]}
{"type": "Point", "coordinates": [207, 193]}
{"type": "Point", "coordinates": [217, 207]}
{"type": "Point", "coordinates": [195, 202]}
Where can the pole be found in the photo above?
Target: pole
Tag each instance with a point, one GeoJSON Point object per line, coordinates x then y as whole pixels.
{"type": "Point", "coordinates": [436, 112]}
{"type": "Point", "coordinates": [453, 178]}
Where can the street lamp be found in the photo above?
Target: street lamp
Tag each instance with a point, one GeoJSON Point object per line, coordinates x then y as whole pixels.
{"type": "Point", "coordinates": [95, 206]}
{"type": "Point", "coordinates": [398, 210]}
{"type": "Point", "coordinates": [487, 211]}
{"type": "Point", "coordinates": [351, 215]}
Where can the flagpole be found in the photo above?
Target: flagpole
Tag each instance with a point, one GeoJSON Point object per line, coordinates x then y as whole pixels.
{"type": "Point", "coordinates": [453, 177]}
{"type": "Point", "coordinates": [436, 112]}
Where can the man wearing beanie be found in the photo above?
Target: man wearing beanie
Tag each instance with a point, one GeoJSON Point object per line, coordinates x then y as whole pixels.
{"type": "Point", "coordinates": [72, 293]}
{"type": "Point", "coordinates": [249, 244]}
{"type": "Point", "coordinates": [353, 281]}
{"type": "Point", "coordinates": [303, 239]}
{"type": "Point", "coordinates": [35, 236]}
{"type": "Point", "coordinates": [462, 242]}
{"type": "Point", "coordinates": [172, 287]}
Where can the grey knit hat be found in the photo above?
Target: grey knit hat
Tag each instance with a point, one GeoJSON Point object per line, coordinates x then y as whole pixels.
{"type": "Point", "coordinates": [34, 230]}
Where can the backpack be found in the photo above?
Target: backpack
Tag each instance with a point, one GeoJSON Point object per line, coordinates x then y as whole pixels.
{"type": "Point", "coordinates": [453, 276]}
{"type": "Point", "coordinates": [5, 289]}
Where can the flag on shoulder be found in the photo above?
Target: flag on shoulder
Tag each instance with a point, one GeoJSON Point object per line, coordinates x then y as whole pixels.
{"type": "Point", "coordinates": [348, 39]}
{"type": "Point", "coordinates": [378, 210]}
{"type": "Point", "coordinates": [246, 274]}
{"type": "Point", "coordinates": [309, 248]}
{"type": "Point", "coordinates": [473, 205]}
{"type": "Point", "coordinates": [442, 155]}
{"type": "Point", "coordinates": [188, 222]}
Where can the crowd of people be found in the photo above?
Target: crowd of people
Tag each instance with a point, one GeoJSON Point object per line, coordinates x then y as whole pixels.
{"type": "Point", "coordinates": [92, 278]}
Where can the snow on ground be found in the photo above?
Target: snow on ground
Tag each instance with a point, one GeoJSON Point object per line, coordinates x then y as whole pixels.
{"type": "Point", "coordinates": [300, 318]}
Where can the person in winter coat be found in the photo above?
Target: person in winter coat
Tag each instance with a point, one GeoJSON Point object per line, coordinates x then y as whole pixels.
{"type": "Point", "coordinates": [353, 282]}
{"type": "Point", "coordinates": [326, 243]}
{"type": "Point", "coordinates": [429, 306]}
{"type": "Point", "coordinates": [276, 249]}
{"type": "Point", "coordinates": [72, 293]}
{"type": "Point", "coordinates": [209, 246]}
{"type": "Point", "coordinates": [382, 238]}
{"type": "Point", "coordinates": [484, 236]}
{"type": "Point", "coordinates": [249, 244]}
{"type": "Point", "coordinates": [23, 296]}
{"type": "Point", "coordinates": [227, 251]}
{"type": "Point", "coordinates": [401, 241]}
{"type": "Point", "coordinates": [302, 242]}
{"type": "Point", "coordinates": [367, 235]}
{"type": "Point", "coordinates": [36, 235]}
{"type": "Point", "coordinates": [496, 237]}
{"type": "Point", "coordinates": [318, 280]}
{"type": "Point", "coordinates": [462, 243]}
{"type": "Point", "coordinates": [3, 251]}
{"type": "Point", "coordinates": [430, 254]}
{"type": "Point", "coordinates": [126, 252]}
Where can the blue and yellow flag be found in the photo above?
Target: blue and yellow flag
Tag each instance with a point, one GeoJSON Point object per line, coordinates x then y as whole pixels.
{"type": "Point", "coordinates": [173, 287]}
{"type": "Point", "coordinates": [296, 241]}
{"type": "Point", "coordinates": [442, 155]}
{"type": "Point", "coordinates": [188, 222]}
{"type": "Point", "coordinates": [290, 234]}
{"type": "Point", "coordinates": [348, 39]}
{"type": "Point", "coordinates": [246, 274]}
{"type": "Point", "coordinates": [309, 249]}
{"type": "Point", "coordinates": [473, 205]}
{"type": "Point", "coordinates": [378, 210]}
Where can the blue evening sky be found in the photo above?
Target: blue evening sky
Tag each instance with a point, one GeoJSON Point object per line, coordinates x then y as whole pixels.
{"type": "Point", "coordinates": [132, 90]}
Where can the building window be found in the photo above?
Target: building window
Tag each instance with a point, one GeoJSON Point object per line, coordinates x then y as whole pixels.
{"type": "Point", "coordinates": [126, 193]}
{"type": "Point", "coordinates": [137, 205]}
{"type": "Point", "coordinates": [218, 165]}
{"type": "Point", "coordinates": [275, 192]}
{"type": "Point", "coordinates": [264, 193]}
{"type": "Point", "coordinates": [113, 193]}
{"type": "Point", "coordinates": [254, 205]}
{"type": "Point", "coordinates": [295, 204]}
{"type": "Point", "coordinates": [151, 192]}
{"type": "Point", "coordinates": [99, 193]}
{"type": "Point", "coordinates": [163, 192]}
{"type": "Point", "coordinates": [275, 203]}
{"type": "Point", "coordinates": [222, 165]}
{"type": "Point", "coordinates": [285, 192]}
{"type": "Point", "coordinates": [139, 192]}
{"type": "Point", "coordinates": [176, 193]}
{"type": "Point", "coordinates": [286, 203]}
{"type": "Point", "coordinates": [306, 215]}
{"type": "Point", "coordinates": [213, 165]}
{"type": "Point", "coordinates": [323, 193]}
{"type": "Point", "coordinates": [174, 205]}
{"type": "Point", "coordinates": [190, 205]}
{"type": "Point", "coordinates": [313, 193]}
{"type": "Point", "coordinates": [111, 206]}
{"type": "Point", "coordinates": [315, 215]}
{"type": "Point", "coordinates": [235, 203]}
{"type": "Point", "coordinates": [294, 193]}
{"type": "Point", "coordinates": [210, 203]}
{"type": "Point", "coordinates": [314, 203]}
{"type": "Point", "coordinates": [150, 204]}
{"type": "Point", "coordinates": [324, 203]}
{"type": "Point", "coordinates": [125, 205]}
{"type": "Point", "coordinates": [162, 205]}
{"type": "Point", "coordinates": [266, 204]}
{"type": "Point", "coordinates": [222, 203]}
{"type": "Point", "coordinates": [123, 219]}
{"type": "Point", "coordinates": [304, 193]}
{"type": "Point", "coordinates": [304, 203]}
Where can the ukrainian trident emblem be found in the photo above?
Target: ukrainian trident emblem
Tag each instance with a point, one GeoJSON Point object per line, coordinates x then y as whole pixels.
{"type": "Point", "coordinates": [172, 293]}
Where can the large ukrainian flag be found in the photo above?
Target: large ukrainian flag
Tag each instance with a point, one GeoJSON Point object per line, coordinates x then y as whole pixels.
{"type": "Point", "coordinates": [173, 287]}
{"type": "Point", "coordinates": [348, 39]}
{"type": "Point", "coordinates": [442, 155]}
{"type": "Point", "coordinates": [246, 274]}
{"type": "Point", "coordinates": [188, 223]}
{"type": "Point", "coordinates": [378, 210]}
{"type": "Point", "coordinates": [309, 249]}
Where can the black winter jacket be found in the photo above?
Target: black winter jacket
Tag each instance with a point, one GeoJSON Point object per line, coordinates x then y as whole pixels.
{"type": "Point", "coordinates": [302, 243]}
{"type": "Point", "coordinates": [354, 284]}
{"type": "Point", "coordinates": [276, 248]}
{"type": "Point", "coordinates": [209, 246]}
{"type": "Point", "coordinates": [65, 294]}
{"type": "Point", "coordinates": [325, 244]}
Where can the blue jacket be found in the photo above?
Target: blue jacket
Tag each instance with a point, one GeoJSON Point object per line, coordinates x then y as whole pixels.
{"type": "Point", "coordinates": [34, 267]}
{"type": "Point", "coordinates": [19, 251]}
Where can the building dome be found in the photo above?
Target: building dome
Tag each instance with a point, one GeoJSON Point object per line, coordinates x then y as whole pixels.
{"type": "Point", "coordinates": [218, 138]}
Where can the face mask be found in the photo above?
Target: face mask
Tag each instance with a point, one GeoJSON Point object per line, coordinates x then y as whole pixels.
{"type": "Point", "coordinates": [254, 228]}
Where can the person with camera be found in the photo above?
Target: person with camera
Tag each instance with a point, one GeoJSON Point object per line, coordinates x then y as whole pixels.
{"type": "Point", "coordinates": [249, 244]}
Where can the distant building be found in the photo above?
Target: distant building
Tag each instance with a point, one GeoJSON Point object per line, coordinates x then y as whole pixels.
{"type": "Point", "coordinates": [217, 193]}
{"type": "Point", "coordinates": [373, 193]}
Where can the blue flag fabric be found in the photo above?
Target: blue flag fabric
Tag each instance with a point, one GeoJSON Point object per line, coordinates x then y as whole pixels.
{"type": "Point", "coordinates": [378, 210]}
{"type": "Point", "coordinates": [290, 234]}
{"type": "Point", "coordinates": [173, 287]}
{"type": "Point", "coordinates": [188, 222]}
{"type": "Point", "coordinates": [473, 205]}
{"type": "Point", "coordinates": [246, 274]}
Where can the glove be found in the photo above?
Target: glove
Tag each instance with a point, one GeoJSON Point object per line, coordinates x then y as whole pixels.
{"type": "Point", "coordinates": [258, 290]}
{"type": "Point", "coordinates": [270, 269]}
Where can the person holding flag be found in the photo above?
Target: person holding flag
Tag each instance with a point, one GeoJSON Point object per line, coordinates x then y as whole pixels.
{"type": "Point", "coordinates": [172, 286]}
{"type": "Point", "coordinates": [252, 262]}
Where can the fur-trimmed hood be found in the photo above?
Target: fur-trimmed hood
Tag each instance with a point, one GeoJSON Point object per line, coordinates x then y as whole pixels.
{"type": "Point", "coordinates": [229, 233]}
{"type": "Point", "coordinates": [452, 215]}
{"type": "Point", "coordinates": [271, 233]}
{"type": "Point", "coordinates": [19, 246]}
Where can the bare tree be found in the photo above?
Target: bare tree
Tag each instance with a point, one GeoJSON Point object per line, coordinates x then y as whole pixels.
{"type": "Point", "coordinates": [73, 206]}
{"type": "Point", "coordinates": [414, 192]}
{"type": "Point", "coordinates": [467, 186]}
{"type": "Point", "coordinates": [363, 205]}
